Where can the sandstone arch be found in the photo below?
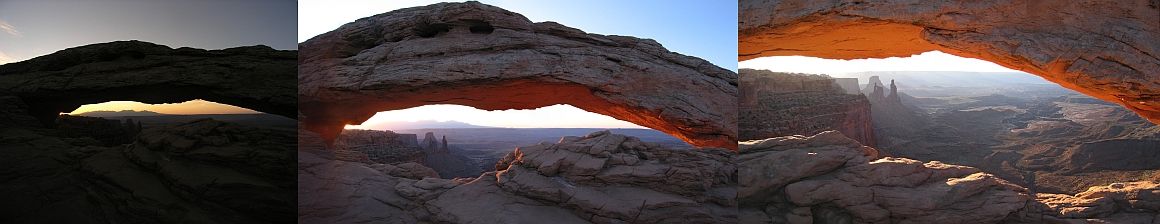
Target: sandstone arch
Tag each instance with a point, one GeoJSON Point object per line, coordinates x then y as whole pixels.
{"type": "Point", "coordinates": [255, 77]}
{"type": "Point", "coordinates": [485, 57]}
{"type": "Point", "coordinates": [1103, 48]}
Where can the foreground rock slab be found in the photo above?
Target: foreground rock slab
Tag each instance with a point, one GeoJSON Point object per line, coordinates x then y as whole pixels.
{"type": "Point", "coordinates": [828, 178]}
{"type": "Point", "coordinates": [599, 178]}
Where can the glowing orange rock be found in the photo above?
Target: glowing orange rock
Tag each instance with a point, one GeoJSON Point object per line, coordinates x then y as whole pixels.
{"type": "Point", "coordinates": [1103, 48]}
{"type": "Point", "coordinates": [492, 59]}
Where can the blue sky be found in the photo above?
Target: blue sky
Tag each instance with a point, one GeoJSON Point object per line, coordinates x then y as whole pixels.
{"type": "Point", "coordinates": [34, 28]}
{"type": "Point", "coordinates": [704, 29]}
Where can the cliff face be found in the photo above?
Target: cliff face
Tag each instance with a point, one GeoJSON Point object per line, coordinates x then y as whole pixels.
{"type": "Point", "coordinates": [381, 146]}
{"type": "Point", "coordinates": [109, 132]}
{"type": "Point", "coordinates": [780, 104]}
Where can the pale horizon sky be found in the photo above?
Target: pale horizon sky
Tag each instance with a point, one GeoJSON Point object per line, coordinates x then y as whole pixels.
{"type": "Point", "coordinates": [35, 28]}
{"type": "Point", "coordinates": [685, 27]}
{"type": "Point", "coordinates": [187, 107]}
{"type": "Point", "coordinates": [927, 61]}
{"type": "Point", "coordinates": [555, 116]}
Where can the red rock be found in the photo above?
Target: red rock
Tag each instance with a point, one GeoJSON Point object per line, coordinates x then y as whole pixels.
{"type": "Point", "coordinates": [1103, 48]}
{"type": "Point", "coordinates": [489, 58]}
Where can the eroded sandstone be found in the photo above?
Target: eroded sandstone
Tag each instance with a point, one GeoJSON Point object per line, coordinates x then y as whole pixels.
{"type": "Point", "coordinates": [489, 58]}
{"type": "Point", "coordinates": [599, 178]}
{"type": "Point", "coordinates": [828, 178]}
{"type": "Point", "coordinates": [1103, 48]}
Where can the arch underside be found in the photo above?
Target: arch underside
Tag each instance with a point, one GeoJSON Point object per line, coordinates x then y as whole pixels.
{"type": "Point", "coordinates": [1107, 52]}
{"type": "Point", "coordinates": [488, 58]}
{"type": "Point", "coordinates": [257, 78]}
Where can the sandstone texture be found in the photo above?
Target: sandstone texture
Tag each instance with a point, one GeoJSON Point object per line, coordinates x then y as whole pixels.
{"type": "Point", "coordinates": [1103, 48]}
{"type": "Point", "coordinates": [599, 178]}
{"type": "Point", "coordinates": [489, 58]}
{"type": "Point", "coordinates": [828, 178]}
{"type": "Point", "coordinates": [124, 70]}
{"type": "Point", "coordinates": [783, 104]}
{"type": "Point", "coordinates": [384, 147]}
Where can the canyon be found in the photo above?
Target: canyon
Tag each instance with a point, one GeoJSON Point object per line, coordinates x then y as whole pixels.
{"type": "Point", "coordinates": [782, 104]}
{"type": "Point", "coordinates": [1034, 152]}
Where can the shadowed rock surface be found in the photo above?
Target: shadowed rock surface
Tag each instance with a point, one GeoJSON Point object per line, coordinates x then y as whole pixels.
{"type": "Point", "coordinates": [828, 178]}
{"type": "Point", "coordinates": [1103, 48]}
{"type": "Point", "coordinates": [775, 104]}
{"type": "Point", "coordinates": [599, 178]}
{"type": "Point", "coordinates": [203, 171]}
{"type": "Point", "coordinates": [475, 55]}
{"type": "Point", "coordinates": [63, 81]}
{"type": "Point", "coordinates": [66, 169]}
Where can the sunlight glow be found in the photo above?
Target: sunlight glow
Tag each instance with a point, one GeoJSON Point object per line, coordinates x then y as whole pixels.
{"type": "Point", "coordinates": [555, 116]}
{"type": "Point", "coordinates": [188, 107]}
{"type": "Point", "coordinates": [928, 61]}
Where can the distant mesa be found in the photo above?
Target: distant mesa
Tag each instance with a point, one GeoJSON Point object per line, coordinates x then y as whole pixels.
{"type": "Point", "coordinates": [123, 113]}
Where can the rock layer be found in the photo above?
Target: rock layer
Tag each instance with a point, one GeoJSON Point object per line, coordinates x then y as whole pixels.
{"type": "Point", "coordinates": [783, 104]}
{"type": "Point", "coordinates": [486, 57]}
{"type": "Point", "coordinates": [1103, 48]}
{"type": "Point", "coordinates": [828, 178]}
{"type": "Point", "coordinates": [122, 70]}
{"type": "Point", "coordinates": [599, 178]}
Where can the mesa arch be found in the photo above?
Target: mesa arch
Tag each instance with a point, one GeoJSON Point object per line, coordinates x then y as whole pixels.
{"type": "Point", "coordinates": [485, 57]}
{"type": "Point", "coordinates": [1103, 48]}
{"type": "Point", "coordinates": [255, 77]}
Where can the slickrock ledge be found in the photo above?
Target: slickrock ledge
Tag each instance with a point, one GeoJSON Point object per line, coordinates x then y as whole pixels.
{"type": "Point", "coordinates": [489, 58]}
{"type": "Point", "coordinates": [599, 178]}
{"type": "Point", "coordinates": [828, 178]}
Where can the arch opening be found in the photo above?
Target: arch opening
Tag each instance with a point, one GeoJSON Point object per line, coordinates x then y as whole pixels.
{"type": "Point", "coordinates": [462, 141]}
{"type": "Point", "coordinates": [492, 59]}
{"type": "Point", "coordinates": [1081, 53]}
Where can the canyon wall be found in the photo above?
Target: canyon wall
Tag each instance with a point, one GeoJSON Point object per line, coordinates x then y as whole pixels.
{"type": "Point", "coordinates": [598, 178]}
{"type": "Point", "coordinates": [782, 104]}
{"type": "Point", "coordinates": [381, 146]}
{"type": "Point", "coordinates": [1107, 49]}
